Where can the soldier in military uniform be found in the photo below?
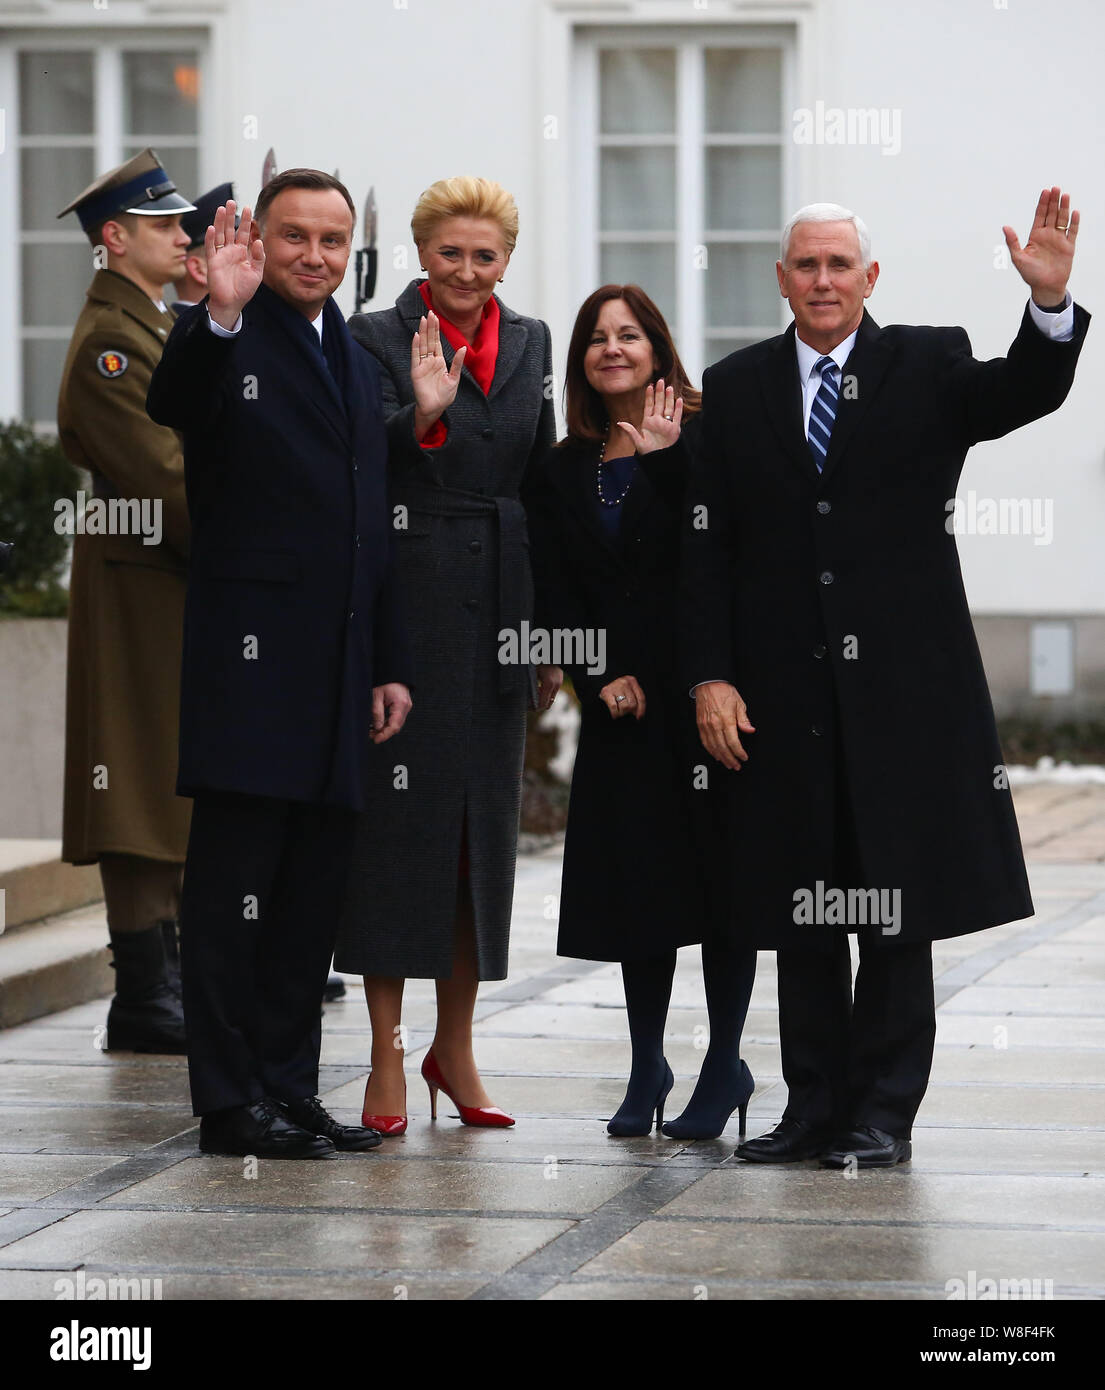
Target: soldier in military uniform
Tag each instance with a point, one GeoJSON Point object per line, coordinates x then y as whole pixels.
{"type": "Point", "coordinates": [127, 600]}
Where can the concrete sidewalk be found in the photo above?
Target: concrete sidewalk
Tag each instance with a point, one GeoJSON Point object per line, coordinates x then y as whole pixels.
{"type": "Point", "coordinates": [99, 1169]}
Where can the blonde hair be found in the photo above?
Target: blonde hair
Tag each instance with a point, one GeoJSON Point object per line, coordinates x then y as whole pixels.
{"type": "Point", "coordinates": [465, 196]}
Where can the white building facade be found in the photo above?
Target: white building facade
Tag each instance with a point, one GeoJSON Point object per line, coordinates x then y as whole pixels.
{"type": "Point", "coordinates": [658, 141]}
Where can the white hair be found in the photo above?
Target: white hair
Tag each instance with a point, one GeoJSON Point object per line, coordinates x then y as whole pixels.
{"type": "Point", "coordinates": [827, 212]}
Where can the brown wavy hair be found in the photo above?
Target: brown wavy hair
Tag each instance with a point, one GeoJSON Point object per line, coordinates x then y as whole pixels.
{"type": "Point", "coordinates": [583, 406]}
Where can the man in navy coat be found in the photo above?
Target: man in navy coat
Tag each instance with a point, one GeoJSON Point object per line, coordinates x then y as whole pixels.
{"type": "Point", "coordinates": [835, 667]}
{"type": "Point", "coordinates": [295, 654]}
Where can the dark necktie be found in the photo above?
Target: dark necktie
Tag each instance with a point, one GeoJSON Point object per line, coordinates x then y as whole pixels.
{"type": "Point", "coordinates": [823, 411]}
{"type": "Point", "coordinates": [329, 352]}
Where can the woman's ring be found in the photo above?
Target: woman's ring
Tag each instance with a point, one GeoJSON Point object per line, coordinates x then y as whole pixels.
{"type": "Point", "coordinates": [618, 699]}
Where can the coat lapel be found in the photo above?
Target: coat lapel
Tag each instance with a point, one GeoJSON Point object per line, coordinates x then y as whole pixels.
{"type": "Point", "coordinates": [326, 399]}
{"type": "Point", "coordinates": [512, 344]}
{"type": "Point", "coordinates": [863, 374]}
{"type": "Point", "coordinates": [860, 380]}
{"type": "Point", "coordinates": [512, 339]}
{"type": "Point", "coordinates": [783, 398]}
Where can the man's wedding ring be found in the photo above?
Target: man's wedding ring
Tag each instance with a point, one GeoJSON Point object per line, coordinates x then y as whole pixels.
{"type": "Point", "coordinates": [1061, 226]}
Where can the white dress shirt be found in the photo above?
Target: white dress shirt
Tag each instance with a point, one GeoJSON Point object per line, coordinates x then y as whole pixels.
{"type": "Point", "coordinates": [221, 332]}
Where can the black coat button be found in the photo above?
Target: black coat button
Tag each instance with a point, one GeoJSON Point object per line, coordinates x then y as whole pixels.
{"type": "Point", "coordinates": [817, 731]}
{"type": "Point", "coordinates": [820, 651]}
{"type": "Point", "coordinates": [824, 507]}
{"type": "Point", "coordinates": [471, 603]}
{"type": "Point", "coordinates": [356, 540]}
{"type": "Point", "coordinates": [475, 547]}
{"type": "Point", "coordinates": [488, 434]}
{"type": "Point", "coordinates": [826, 576]}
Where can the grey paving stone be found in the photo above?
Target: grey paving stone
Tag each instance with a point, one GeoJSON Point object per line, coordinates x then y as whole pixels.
{"type": "Point", "coordinates": [107, 1081]}
{"type": "Point", "coordinates": [374, 1180]}
{"type": "Point", "coordinates": [111, 1129]}
{"type": "Point", "coordinates": [851, 1252]}
{"type": "Point", "coordinates": [750, 1191]}
{"type": "Point", "coordinates": [1010, 1065]}
{"type": "Point", "coordinates": [1072, 1152]}
{"type": "Point", "coordinates": [1042, 1031]}
{"type": "Point", "coordinates": [280, 1242]}
{"type": "Point", "coordinates": [174, 1286]}
{"type": "Point", "coordinates": [1070, 1107]}
{"type": "Point", "coordinates": [1054, 1000]}
{"type": "Point", "coordinates": [606, 1290]}
{"type": "Point", "coordinates": [27, 1177]}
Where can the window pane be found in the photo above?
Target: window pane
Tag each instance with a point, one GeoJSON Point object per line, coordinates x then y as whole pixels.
{"type": "Point", "coordinates": [651, 267]}
{"type": "Point", "coordinates": [55, 278]}
{"type": "Point", "coordinates": [744, 91]}
{"type": "Point", "coordinates": [43, 359]}
{"type": "Point", "coordinates": [638, 190]}
{"type": "Point", "coordinates": [160, 93]}
{"type": "Point", "coordinates": [55, 93]}
{"type": "Point", "coordinates": [741, 286]}
{"type": "Point", "coordinates": [637, 87]}
{"type": "Point", "coordinates": [744, 189]}
{"type": "Point", "coordinates": [182, 166]}
{"type": "Point", "coordinates": [50, 178]}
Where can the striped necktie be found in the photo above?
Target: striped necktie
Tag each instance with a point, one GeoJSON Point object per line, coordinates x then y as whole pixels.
{"type": "Point", "coordinates": [823, 410]}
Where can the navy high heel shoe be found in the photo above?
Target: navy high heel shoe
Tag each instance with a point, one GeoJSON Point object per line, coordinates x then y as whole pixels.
{"type": "Point", "coordinates": [708, 1118]}
{"type": "Point", "coordinates": [626, 1125]}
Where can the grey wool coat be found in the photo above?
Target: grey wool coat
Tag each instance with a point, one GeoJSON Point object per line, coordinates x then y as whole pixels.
{"type": "Point", "coordinates": [463, 562]}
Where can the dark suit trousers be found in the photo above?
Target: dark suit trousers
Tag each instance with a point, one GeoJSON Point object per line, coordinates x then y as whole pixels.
{"type": "Point", "coordinates": [263, 886]}
{"type": "Point", "coordinates": [862, 1060]}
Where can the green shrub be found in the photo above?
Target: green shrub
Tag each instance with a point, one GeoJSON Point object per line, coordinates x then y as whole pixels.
{"type": "Point", "coordinates": [34, 474]}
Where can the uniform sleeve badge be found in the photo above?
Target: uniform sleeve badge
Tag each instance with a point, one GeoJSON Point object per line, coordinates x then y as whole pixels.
{"type": "Point", "coordinates": [112, 364]}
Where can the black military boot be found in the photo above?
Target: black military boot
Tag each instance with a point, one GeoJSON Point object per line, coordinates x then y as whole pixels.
{"type": "Point", "coordinates": [146, 1013]}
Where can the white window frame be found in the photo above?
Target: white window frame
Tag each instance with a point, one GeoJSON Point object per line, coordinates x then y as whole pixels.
{"type": "Point", "coordinates": [106, 47]}
{"type": "Point", "coordinates": [691, 142]}
{"type": "Point", "coordinates": [567, 220]}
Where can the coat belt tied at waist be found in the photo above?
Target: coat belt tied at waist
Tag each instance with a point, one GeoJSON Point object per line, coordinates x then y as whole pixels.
{"type": "Point", "coordinates": [515, 582]}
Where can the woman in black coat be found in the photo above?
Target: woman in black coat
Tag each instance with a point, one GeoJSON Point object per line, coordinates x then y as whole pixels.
{"type": "Point", "coordinates": [604, 514]}
{"type": "Point", "coordinates": [431, 881]}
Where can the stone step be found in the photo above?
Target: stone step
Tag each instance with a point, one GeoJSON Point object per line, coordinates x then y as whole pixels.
{"type": "Point", "coordinates": [53, 950]}
{"type": "Point", "coordinates": [35, 884]}
{"type": "Point", "coordinates": [54, 964]}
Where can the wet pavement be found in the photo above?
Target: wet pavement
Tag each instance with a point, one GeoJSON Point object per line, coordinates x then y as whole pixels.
{"type": "Point", "coordinates": [100, 1173]}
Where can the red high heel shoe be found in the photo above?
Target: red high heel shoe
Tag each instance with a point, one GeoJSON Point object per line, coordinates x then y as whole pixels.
{"type": "Point", "coordinates": [384, 1124]}
{"type": "Point", "coordinates": [488, 1115]}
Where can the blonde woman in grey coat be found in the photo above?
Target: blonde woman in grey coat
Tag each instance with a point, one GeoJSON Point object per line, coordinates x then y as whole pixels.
{"type": "Point", "coordinates": [469, 412]}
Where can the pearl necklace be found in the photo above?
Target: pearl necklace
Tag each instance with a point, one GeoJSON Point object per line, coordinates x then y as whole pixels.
{"type": "Point", "coordinates": [617, 502]}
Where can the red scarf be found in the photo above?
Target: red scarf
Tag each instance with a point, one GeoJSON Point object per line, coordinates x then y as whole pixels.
{"type": "Point", "coordinates": [482, 354]}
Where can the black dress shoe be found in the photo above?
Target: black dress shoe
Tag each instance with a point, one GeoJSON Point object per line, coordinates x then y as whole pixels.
{"type": "Point", "coordinates": [791, 1141]}
{"type": "Point", "coordinates": [309, 1114]}
{"type": "Point", "coordinates": [333, 989]}
{"type": "Point", "coordinates": [865, 1147]}
{"type": "Point", "coordinates": [262, 1130]}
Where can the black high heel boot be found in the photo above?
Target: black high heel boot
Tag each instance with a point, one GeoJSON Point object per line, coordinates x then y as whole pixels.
{"type": "Point", "coordinates": [647, 993]}
{"type": "Point", "coordinates": [707, 1118]}
{"type": "Point", "coordinates": [627, 1122]}
{"type": "Point", "coordinates": [725, 1084]}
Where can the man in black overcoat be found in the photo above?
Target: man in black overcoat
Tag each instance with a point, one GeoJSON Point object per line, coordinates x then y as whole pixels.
{"type": "Point", "coordinates": [295, 654]}
{"type": "Point", "coordinates": [835, 669]}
